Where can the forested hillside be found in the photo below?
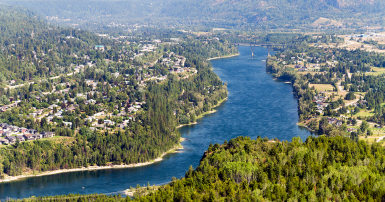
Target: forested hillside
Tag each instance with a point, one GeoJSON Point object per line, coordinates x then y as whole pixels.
{"type": "Point", "coordinates": [30, 48]}
{"type": "Point", "coordinates": [319, 169]}
{"type": "Point", "coordinates": [259, 14]}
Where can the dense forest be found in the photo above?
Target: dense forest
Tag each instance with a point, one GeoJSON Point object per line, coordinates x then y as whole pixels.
{"type": "Point", "coordinates": [31, 48]}
{"type": "Point", "coordinates": [319, 169]}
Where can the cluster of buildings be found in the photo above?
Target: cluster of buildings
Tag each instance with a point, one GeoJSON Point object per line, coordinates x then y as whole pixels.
{"type": "Point", "coordinates": [11, 133]}
{"type": "Point", "coordinates": [300, 68]}
{"type": "Point", "coordinates": [320, 101]}
{"type": "Point", "coordinates": [334, 121]}
{"type": "Point", "coordinates": [10, 106]}
{"type": "Point", "coordinates": [351, 130]}
{"type": "Point", "coordinates": [176, 63]}
{"type": "Point", "coordinates": [360, 102]}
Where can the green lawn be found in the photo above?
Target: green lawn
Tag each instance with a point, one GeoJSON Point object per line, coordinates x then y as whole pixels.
{"type": "Point", "coordinates": [364, 113]}
{"type": "Point", "coordinates": [376, 71]}
{"type": "Point", "coordinates": [322, 87]}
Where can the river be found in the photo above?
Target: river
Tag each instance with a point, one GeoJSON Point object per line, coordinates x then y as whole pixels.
{"type": "Point", "coordinates": [256, 105]}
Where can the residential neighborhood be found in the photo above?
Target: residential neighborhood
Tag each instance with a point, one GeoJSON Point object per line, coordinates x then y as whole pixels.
{"type": "Point", "coordinates": [10, 134]}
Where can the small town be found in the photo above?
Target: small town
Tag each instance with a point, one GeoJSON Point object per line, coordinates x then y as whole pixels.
{"type": "Point", "coordinates": [66, 103]}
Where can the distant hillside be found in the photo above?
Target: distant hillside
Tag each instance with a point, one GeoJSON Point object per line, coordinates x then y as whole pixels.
{"type": "Point", "coordinates": [17, 22]}
{"type": "Point", "coordinates": [270, 14]}
{"type": "Point", "coordinates": [30, 47]}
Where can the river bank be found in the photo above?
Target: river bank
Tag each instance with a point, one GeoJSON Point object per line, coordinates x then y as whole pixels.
{"type": "Point", "coordinates": [203, 114]}
{"type": "Point", "coordinates": [221, 57]}
{"type": "Point", "coordinates": [90, 168]}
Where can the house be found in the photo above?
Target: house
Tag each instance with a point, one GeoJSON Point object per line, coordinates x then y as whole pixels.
{"type": "Point", "coordinates": [351, 130]}
{"type": "Point", "coordinates": [67, 124]}
{"type": "Point", "coordinates": [20, 138]}
{"type": "Point", "coordinates": [71, 108]}
{"type": "Point", "coordinates": [99, 114]}
{"type": "Point", "coordinates": [53, 106]}
{"type": "Point", "coordinates": [122, 126]}
{"type": "Point", "coordinates": [88, 119]}
{"type": "Point", "coordinates": [28, 136]}
{"type": "Point", "coordinates": [22, 130]}
{"type": "Point", "coordinates": [332, 120]}
{"type": "Point", "coordinates": [3, 125]}
{"type": "Point", "coordinates": [14, 128]}
{"type": "Point", "coordinates": [11, 139]}
{"type": "Point", "coordinates": [7, 133]}
{"type": "Point", "coordinates": [31, 131]}
{"type": "Point", "coordinates": [109, 122]}
{"type": "Point", "coordinates": [339, 123]}
{"type": "Point", "coordinates": [302, 69]}
{"type": "Point", "coordinates": [37, 136]}
{"type": "Point", "coordinates": [3, 141]}
{"type": "Point", "coordinates": [48, 134]}
{"type": "Point", "coordinates": [99, 47]}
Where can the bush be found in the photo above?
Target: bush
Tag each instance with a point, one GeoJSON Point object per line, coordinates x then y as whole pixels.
{"type": "Point", "coordinates": [350, 96]}
{"type": "Point", "coordinates": [184, 119]}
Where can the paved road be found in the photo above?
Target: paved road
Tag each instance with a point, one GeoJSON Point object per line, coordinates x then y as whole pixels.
{"type": "Point", "coordinates": [346, 103]}
{"type": "Point", "coordinates": [380, 138]}
{"type": "Point", "coordinates": [349, 75]}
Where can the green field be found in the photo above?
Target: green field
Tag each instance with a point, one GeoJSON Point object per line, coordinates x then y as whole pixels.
{"type": "Point", "coordinates": [322, 87]}
{"type": "Point", "coordinates": [376, 71]}
{"type": "Point", "coordinates": [364, 113]}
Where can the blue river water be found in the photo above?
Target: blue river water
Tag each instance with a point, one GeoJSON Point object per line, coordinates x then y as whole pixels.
{"type": "Point", "coordinates": [256, 105]}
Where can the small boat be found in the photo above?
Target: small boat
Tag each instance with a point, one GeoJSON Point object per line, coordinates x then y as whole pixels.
{"type": "Point", "coordinates": [263, 60]}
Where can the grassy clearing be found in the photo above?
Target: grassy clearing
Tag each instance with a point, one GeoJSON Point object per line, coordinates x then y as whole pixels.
{"type": "Point", "coordinates": [304, 73]}
{"type": "Point", "coordinates": [365, 113]}
{"type": "Point", "coordinates": [368, 139]}
{"type": "Point", "coordinates": [322, 87]}
{"type": "Point", "coordinates": [360, 93]}
{"type": "Point", "coordinates": [376, 71]}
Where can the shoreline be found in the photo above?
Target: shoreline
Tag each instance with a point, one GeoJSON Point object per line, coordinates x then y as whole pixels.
{"type": "Point", "coordinates": [305, 126]}
{"type": "Point", "coordinates": [221, 57]}
{"type": "Point", "coordinates": [91, 168]}
{"type": "Point", "coordinates": [203, 114]}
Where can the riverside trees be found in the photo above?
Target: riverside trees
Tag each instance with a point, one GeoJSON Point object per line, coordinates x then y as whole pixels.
{"type": "Point", "coordinates": [318, 169]}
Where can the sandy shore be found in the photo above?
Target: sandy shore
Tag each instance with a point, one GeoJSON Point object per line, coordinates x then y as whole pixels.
{"type": "Point", "coordinates": [89, 168]}
{"type": "Point", "coordinates": [229, 56]}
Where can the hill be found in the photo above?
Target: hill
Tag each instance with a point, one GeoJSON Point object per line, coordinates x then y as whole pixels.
{"type": "Point", "coordinates": [259, 14]}
{"type": "Point", "coordinates": [319, 169]}
{"type": "Point", "coordinates": [30, 46]}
